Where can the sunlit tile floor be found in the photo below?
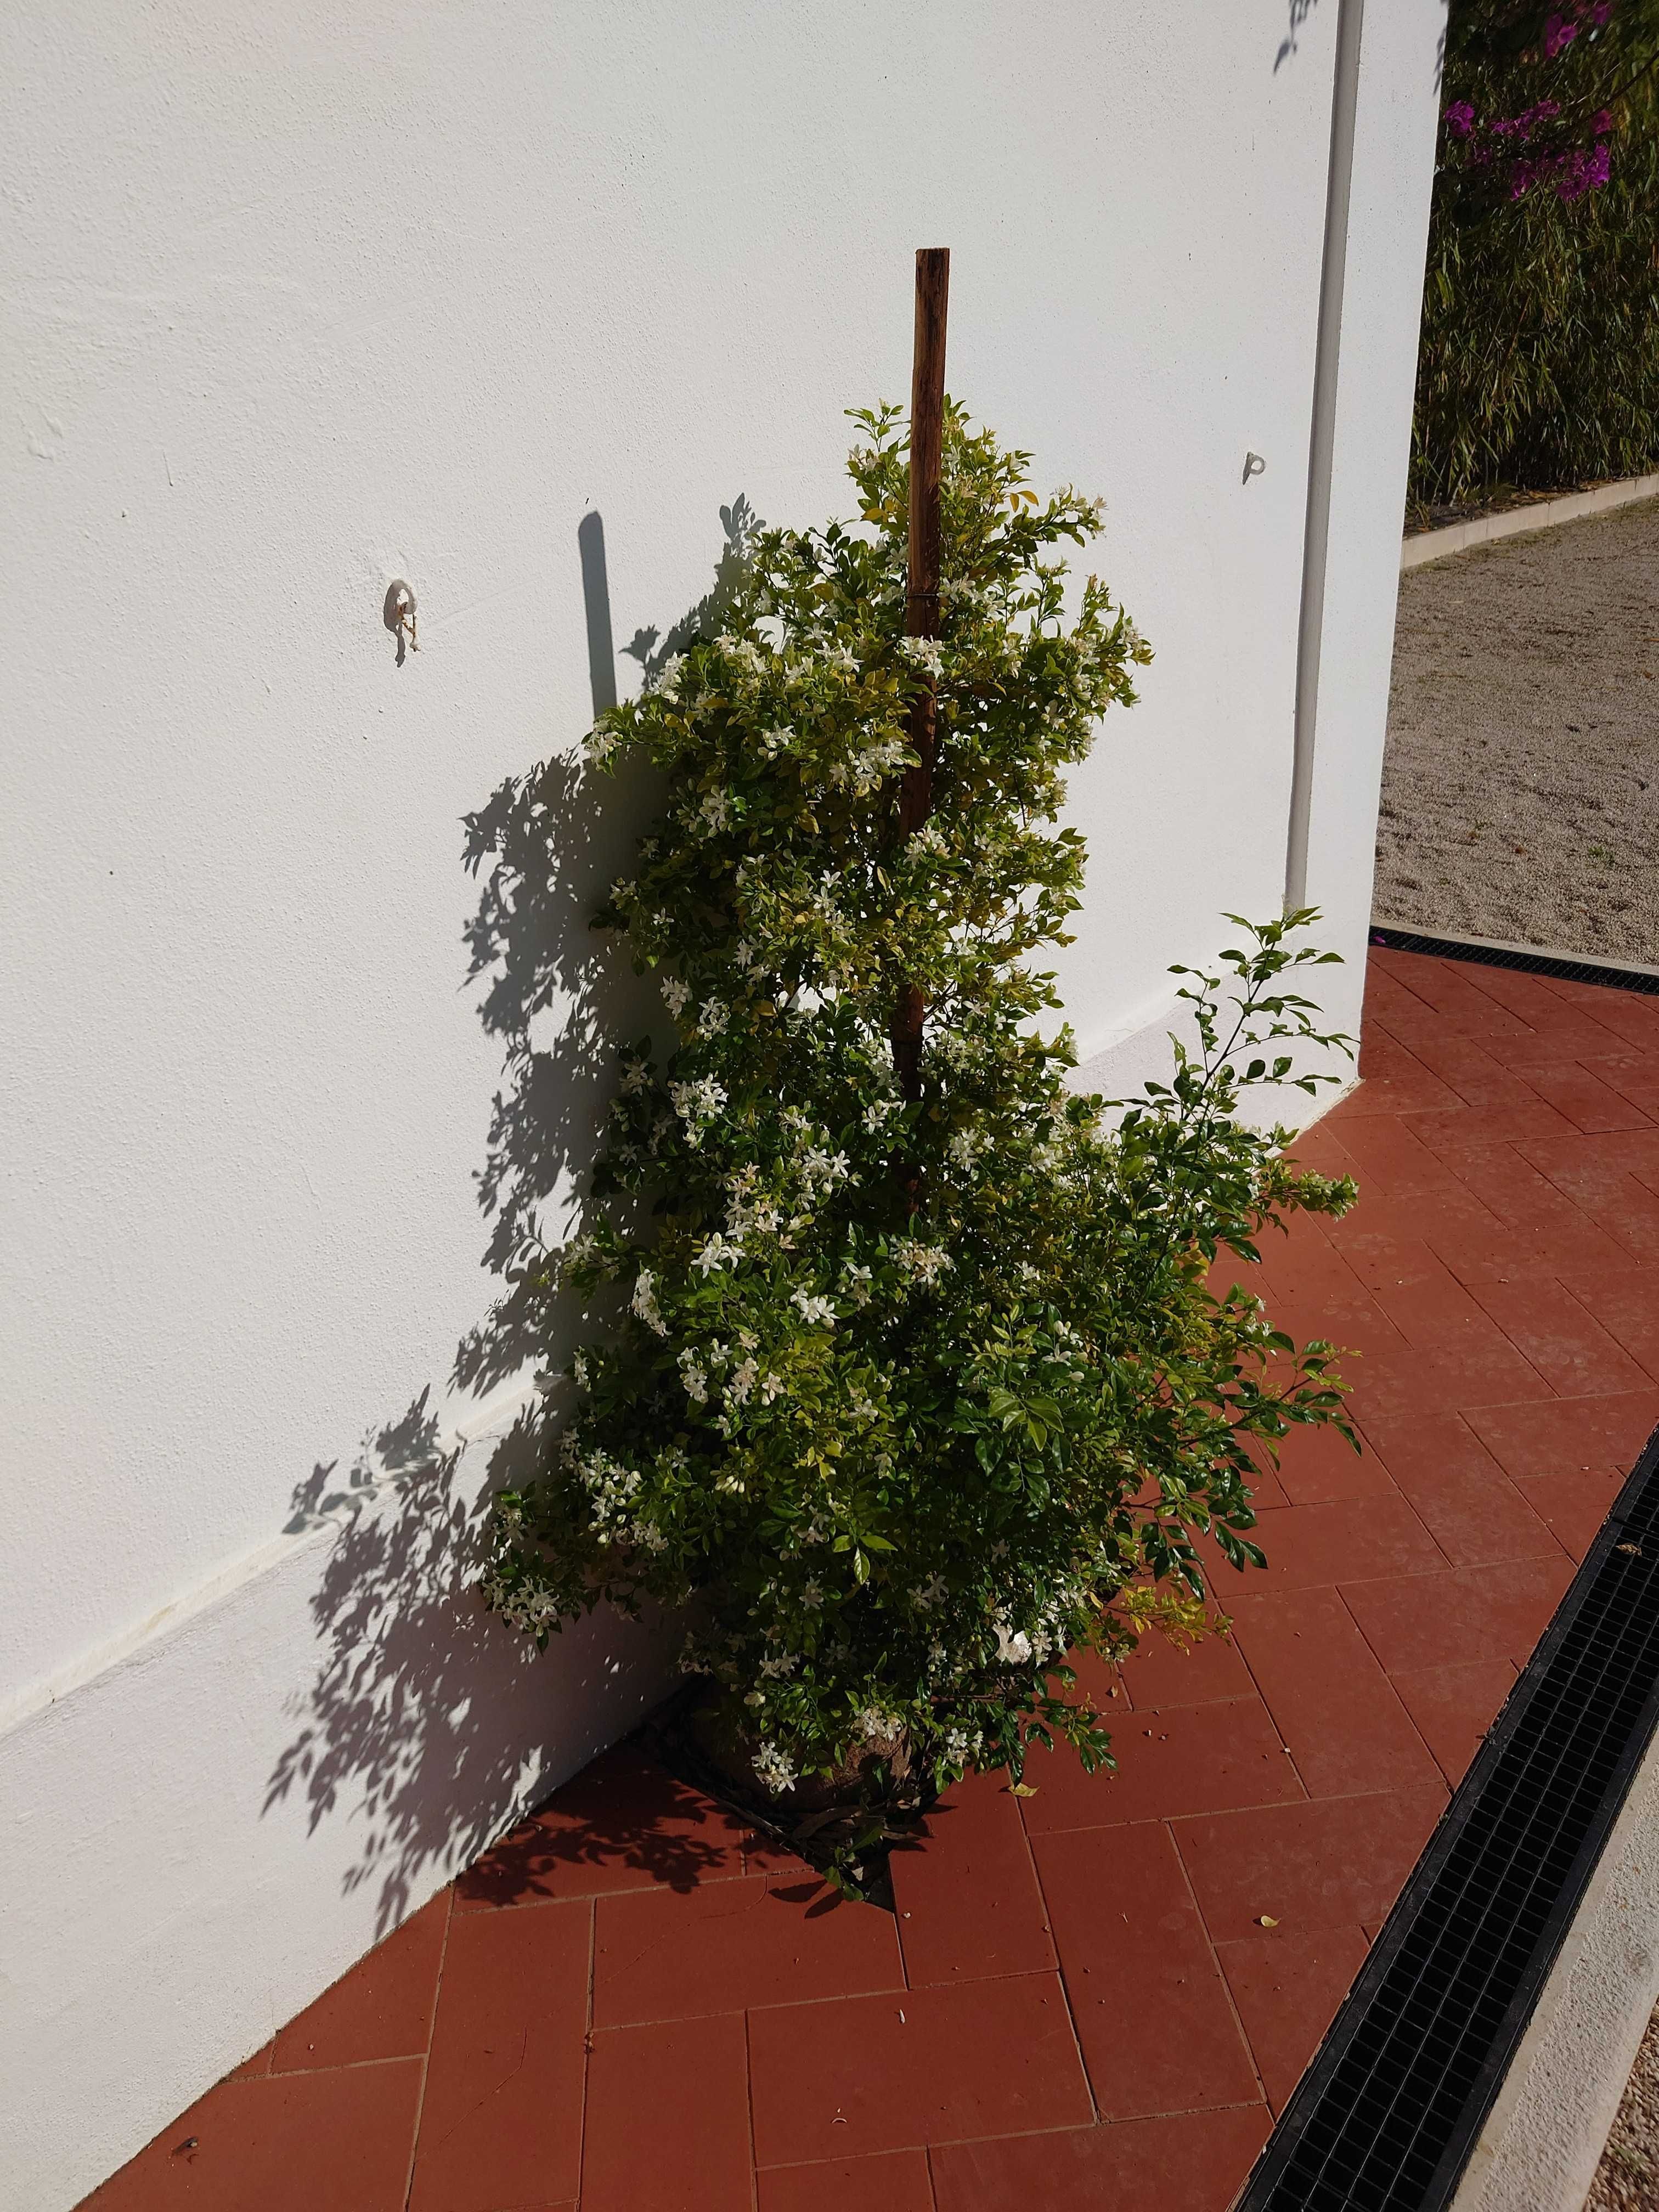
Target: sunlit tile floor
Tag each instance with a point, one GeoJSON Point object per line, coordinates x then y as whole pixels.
{"type": "Point", "coordinates": [1098, 1995]}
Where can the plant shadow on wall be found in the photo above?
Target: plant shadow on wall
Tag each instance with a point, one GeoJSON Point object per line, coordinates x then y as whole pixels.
{"type": "Point", "coordinates": [392, 1733]}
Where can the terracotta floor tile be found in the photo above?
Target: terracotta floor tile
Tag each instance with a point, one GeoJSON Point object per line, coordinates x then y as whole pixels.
{"type": "Point", "coordinates": [1629, 1016]}
{"type": "Point", "coordinates": [1573, 1505]}
{"type": "Point", "coordinates": [1163, 1674]}
{"type": "Point", "coordinates": [1330, 1698]}
{"type": "Point", "coordinates": [501, 2120]}
{"type": "Point", "coordinates": [1320, 1466]}
{"type": "Point", "coordinates": [1474, 1127]}
{"type": "Point", "coordinates": [1589, 1102]}
{"type": "Point", "coordinates": [891, 2181]}
{"type": "Point", "coordinates": [668, 2118]}
{"type": "Point", "coordinates": [1565, 1043]}
{"type": "Point", "coordinates": [1633, 1075]}
{"type": "Point", "coordinates": [381, 2009]}
{"type": "Point", "coordinates": [1192, 2164]}
{"type": "Point", "coordinates": [1576, 1159]}
{"type": "Point", "coordinates": [1393, 1080]}
{"type": "Point", "coordinates": [1458, 1491]}
{"type": "Point", "coordinates": [1569, 1435]}
{"type": "Point", "coordinates": [1467, 1067]}
{"type": "Point", "coordinates": [622, 1824]}
{"type": "Point", "coordinates": [1620, 1200]}
{"type": "Point", "coordinates": [927, 2066]}
{"type": "Point", "coordinates": [1442, 1379]}
{"type": "Point", "coordinates": [1333, 1862]}
{"type": "Point", "coordinates": [1133, 1950]}
{"type": "Point", "coordinates": [1537, 1225]}
{"type": "Point", "coordinates": [1312, 1545]}
{"type": "Point", "coordinates": [1530, 998]}
{"type": "Point", "coordinates": [1625, 1302]}
{"type": "Point", "coordinates": [1468, 1612]}
{"type": "Point", "coordinates": [332, 2141]}
{"type": "Point", "coordinates": [760, 1941]}
{"type": "Point", "coordinates": [1186, 1759]}
{"type": "Point", "coordinates": [1454, 1706]}
{"type": "Point", "coordinates": [1390, 1159]}
{"type": "Point", "coordinates": [1288, 1988]}
{"type": "Point", "coordinates": [968, 1898]}
{"type": "Point", "coordinates": [1568, 1347]}
{"type": "Point", "coordinates": [1452, 988]}
{"type": "Point", "coordinates": [1429, 1306]}
{"type": "Point", "coordinates": [251, 2068]}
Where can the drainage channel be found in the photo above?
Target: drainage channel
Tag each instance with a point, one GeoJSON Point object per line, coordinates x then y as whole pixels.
{"type": "Point", "coordinates": [1564, 967]}
{"type": "Point", "coordinates": [1386, 2117]}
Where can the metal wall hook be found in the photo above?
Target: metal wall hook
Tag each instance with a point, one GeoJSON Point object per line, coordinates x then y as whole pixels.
{"type": "Point", "coordinates": [398, 616]}
{"type": "Point", "coordinates": [1254, 465]}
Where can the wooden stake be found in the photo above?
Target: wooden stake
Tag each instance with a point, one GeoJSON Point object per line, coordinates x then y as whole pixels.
{"type": "Point", "coordinates": [922, 598]}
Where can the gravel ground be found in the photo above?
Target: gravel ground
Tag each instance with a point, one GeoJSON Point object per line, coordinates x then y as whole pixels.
{"type": "Point", "coordinates": [1628, 2179]}
{"type": "Point", "coordinates": [1520, 784]}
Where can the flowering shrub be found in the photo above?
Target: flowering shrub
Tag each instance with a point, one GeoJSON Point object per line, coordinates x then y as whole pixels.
{"type": "Point", "coordinates": [903, 1397]}
{"type": "Point", "coordinates": [1538, 362]}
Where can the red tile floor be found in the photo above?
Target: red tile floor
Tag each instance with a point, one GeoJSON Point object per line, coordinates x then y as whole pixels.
{"type": "Point", "coordinates": [1099, 1995]}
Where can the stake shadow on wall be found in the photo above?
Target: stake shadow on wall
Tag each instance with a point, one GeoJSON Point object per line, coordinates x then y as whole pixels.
{"type": "Point", "coordinates": [425, 1713]}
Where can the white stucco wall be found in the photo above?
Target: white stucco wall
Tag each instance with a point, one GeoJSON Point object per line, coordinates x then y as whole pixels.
{"type": "Point", "coordinates": [296, 300]}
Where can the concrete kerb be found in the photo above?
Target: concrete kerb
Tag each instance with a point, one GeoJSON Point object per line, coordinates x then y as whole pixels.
{"type": "Point", "coordinates": [1515, 521]}
{"type": "Point", "coordinates": [1543, 2140]}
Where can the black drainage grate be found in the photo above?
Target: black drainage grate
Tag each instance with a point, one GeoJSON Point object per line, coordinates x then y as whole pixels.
{"type": "Point", "coordinates": [1385, 2118]}
{"type": "Point", "coordinates": [1563, 966]}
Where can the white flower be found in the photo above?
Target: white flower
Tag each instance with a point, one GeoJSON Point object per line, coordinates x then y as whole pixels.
{"type": "Point", "coordinates": [773, 1768]}
{"type": "Point", "coordinates": [717, 1252]}
{"type": "Point", "coordinates": [623, 891]}
{"type": "Point", "coordinates": [600, 744]}
{"type": "Point", "coordinates": [1014, 1649]}
{"type": "Point", "coordinates": [929, 1594]}
{"type": "Point", "coordinates": [858, 1286]}
{"type": "Point", "coordinates": [712, 1019]}
{"type": "Point", "coordinates": [714, 812]}
{"type": "Point", "coordinates": [644, 1302]}
{"type": "Point", "coordinates": [814, 1309]}
{"type": "Point", "coordinates": [635, 1073]}
{"type": "Point", "coordinates": [960, 1746]}
{"type": "Point", "coordinates": [743, 1380]}
{"type": "Point", "coordinates": [756, 1699]}
{"type": "Point", "coordinates": [811, 1594]}
{"type": "Point", "coordinates": [771, 1386]}
{"type": "Point", "coordinates": [966, 1147]}
{"type": "Point", "coordinates": [875, 1115]}
{"type": "Point", "coordinates": [676, 995]}
{"type": "Point", "coordinates": [923, 1263]}
{"type": "Point", "coordinates": [694, 1376]}
{"type": "Point", "coordinates": [924, 652]}
{"type": "Point", "coordinates": [773, 741]}
{"type": "Point", "coordinates": [668, 676]}
{"type": "Point", "coordinates": [930, 838]}
{"type": "Point", "coordinates": [784, 1664]}
{"type": "Point", "coordinates": [649, 1537]}
{"type": "Point", "coordinates": [743, 954]}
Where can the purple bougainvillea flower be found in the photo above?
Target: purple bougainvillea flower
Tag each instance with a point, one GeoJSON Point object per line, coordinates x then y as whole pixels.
{"type": "Point", "coordinates": [1460, 118]}
{"type": "Point", "coordinates": [1560, 32]}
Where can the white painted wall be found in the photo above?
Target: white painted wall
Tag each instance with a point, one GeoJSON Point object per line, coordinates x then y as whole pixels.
{"type": "Point", "coordinates": [299, 299]}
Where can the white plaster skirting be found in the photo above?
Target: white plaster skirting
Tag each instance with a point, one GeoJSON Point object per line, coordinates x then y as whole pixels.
{"type": "Point", "coordinates": [1515, 521]}
{"type": "Point", "coordinates": [1540, 2146]}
